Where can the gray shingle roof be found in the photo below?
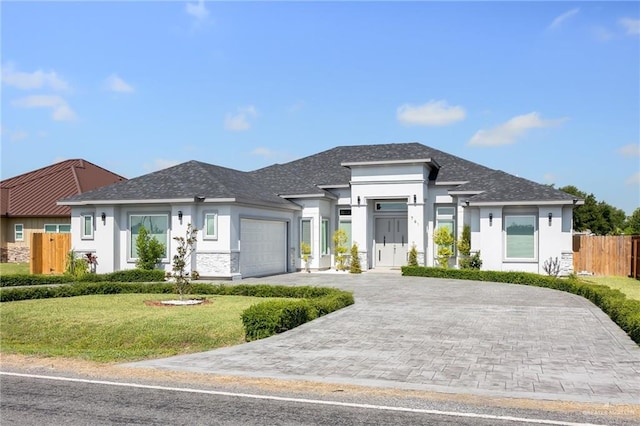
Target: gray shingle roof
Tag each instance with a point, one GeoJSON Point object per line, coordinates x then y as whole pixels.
{"type": "Point", "coordinates": [306, 176]}
{"type": "Point", "coordinates": [187, 180]}
{"type": "Point", "coordinates": [325, 168]}
{"type": "Point", "coordinates": [503, 187]}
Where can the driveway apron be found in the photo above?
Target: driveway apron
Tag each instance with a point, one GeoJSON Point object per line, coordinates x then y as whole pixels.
{"type": "Point", "coordinates": [445, 336]}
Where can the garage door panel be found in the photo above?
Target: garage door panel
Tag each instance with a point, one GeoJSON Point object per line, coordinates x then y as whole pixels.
{"type": "Point", "coordinates": [263, 247]}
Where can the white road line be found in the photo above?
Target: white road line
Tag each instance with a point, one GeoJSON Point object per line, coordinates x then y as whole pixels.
{"type": "Point", "coordinates": [303, 400]}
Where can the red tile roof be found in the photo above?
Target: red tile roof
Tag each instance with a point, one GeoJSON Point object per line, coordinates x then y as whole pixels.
{"type": "Point", "coordinates": [36, 193]}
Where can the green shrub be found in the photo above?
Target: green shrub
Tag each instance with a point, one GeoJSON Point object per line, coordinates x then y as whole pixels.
{"type": "Point", "coordinates": [355, 267]}
{"type": "Point", "coordinates": [24, 279]}
{"type": "Point", "coordinates": [150, 250]}
{"type": "Point", "coordinates": [275, 316]}
{"type": "Point", "coordinates": [624, 312]}
{"type": "Point", "coordinates": [413, 256]}
{"type": "Point", "coordinates": [129, 275]}
{"type": "Point", "coordinates": [443, 238]}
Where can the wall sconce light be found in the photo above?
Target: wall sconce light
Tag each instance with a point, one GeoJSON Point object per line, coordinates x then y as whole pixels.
{"type": "Point", "coordinates": [180, 216]}
{"type": "Point", "coordinates": [414, 198]}
{"type": "Point", "coordinates": [358, 200]}
{"type": "Point", "coordinates": [103, 216]}
{"type": "Point", "coordinates": [466, 202]}
{"type": "Point", "coordinates": [550, 217]}
{"type": "Point", "coordinates": [490, 219]}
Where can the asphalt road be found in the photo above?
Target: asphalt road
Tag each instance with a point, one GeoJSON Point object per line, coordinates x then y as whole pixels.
{"type": "Point", "coordinates": [38, 400]}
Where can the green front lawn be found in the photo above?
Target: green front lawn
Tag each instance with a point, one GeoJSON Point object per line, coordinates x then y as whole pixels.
{"type": "Point", "coordinates": [121, 327]}
{"type": "Point", "coordinates": [14, 268]}
{"type": "Point", "coordinates": [629, 286]}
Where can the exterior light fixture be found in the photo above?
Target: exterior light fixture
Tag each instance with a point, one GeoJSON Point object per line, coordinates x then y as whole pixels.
{"type": "Point", "coordinates": [466, 202]}
{"type": "Point", "coordinates": [180, 216]}
{"type": "Point", "coordinates": [358, 200]}
{"type": "Point", "coordinates": [550, 217]}
{"type": "Point", "coordinates": [104, 217]}
{"type": "Point", "coordinates": [414, 198]}
{"type": "Point", "coordinates": [490, 219]}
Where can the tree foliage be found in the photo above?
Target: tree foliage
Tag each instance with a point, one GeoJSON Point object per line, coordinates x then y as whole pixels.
{"type": "Point", "coordinates": [150, 250]}
{"type": "Point", "coordinates": [355, 267]}
{"type": "Point", "coordinates": [597, 217]}
{"type": "Point", "coordinates": [444, 240]}
{"type": "Point", "coordinates": [340, 238]}
{"type": "Point", "coordinates": [182, 258]}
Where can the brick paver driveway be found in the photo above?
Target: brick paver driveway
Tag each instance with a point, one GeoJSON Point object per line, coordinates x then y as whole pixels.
{"type": "Point", "coordinates": [443, 335]}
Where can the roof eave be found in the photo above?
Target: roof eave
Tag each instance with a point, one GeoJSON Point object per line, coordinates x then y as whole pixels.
{"type": "Point", "coordinates": [317, 195]}
{"type": "Point", "coordinates": [429, 161]}
{"type": "Point", "coordinates": [524, 203]}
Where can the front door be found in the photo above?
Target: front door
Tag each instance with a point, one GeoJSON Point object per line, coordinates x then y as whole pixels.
{"type": "Point", "coordinates": [391, 241]}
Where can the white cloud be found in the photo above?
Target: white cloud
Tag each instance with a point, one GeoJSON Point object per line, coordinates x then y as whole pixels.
{"type": "Point", "coordinates": [602, 34]}
{"type": "Point", "coordinates": [632, 26]}
{"type": "Point", "coordinates": [550, 177]}
{"type": "Point", "coordinates": [264, 152]}
{"type": "Point", "coordinates": [197, 10]}
{"type": "Point", "coordinates": [116, 84]}
{"type": "Point", "coordinates": [561, 18]}
{"type": "Point", "coordinates": [159, 164]}
{"type": "Point", "coordinates": [433, 113]}
{"type": "Point", "coordinates": [18, 135]}
{"type": "Point", "coordinates": [240, 121]}
{"type": "Point", "coordinates": [631, 150]}
{"type": "Point", "coordinates": [633, 179]}
{"type": "Point", "coordinates": [60, 110]}
{"type": "Point", "coordinates": [34, 80]}
{"type": "Point", "coordinates": [508, 132]}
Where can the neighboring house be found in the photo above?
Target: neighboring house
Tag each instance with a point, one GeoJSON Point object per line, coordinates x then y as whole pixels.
{"type": "Point", "coordinates": [28, 202]}
{"type": "Point", "coordinates": [387, 197]}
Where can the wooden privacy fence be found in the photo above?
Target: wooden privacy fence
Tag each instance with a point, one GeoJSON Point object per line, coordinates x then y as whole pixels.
{"type": "Point", "coordinates": [604, 255]}
{"type": "Point", "coordinates": [49, 252]}
{"type": "Point", "coordinates": [635, 257]}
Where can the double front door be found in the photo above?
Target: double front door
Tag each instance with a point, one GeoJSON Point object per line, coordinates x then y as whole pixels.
{"type": "Point", "coordinates": [391, 241]}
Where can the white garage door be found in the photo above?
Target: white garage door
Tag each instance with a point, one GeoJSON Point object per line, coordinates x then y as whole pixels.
{"type": "Point", "coordinates": [263, 247]}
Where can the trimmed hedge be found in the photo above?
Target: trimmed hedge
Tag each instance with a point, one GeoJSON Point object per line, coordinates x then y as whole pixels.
{"type": "Point", "coordinates": [129, 275]}
{"type": "Point", "coordinates": [624, 312]}
{"type": "Point", "coordinates": [261, 320]}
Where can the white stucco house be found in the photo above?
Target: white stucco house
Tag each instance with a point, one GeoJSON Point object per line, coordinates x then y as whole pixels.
{"type": "Point", "coordinates": [387, 197]}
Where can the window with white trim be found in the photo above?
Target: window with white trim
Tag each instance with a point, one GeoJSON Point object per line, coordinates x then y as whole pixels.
{"type": "Point", "coordinates": [520, 237]}
{"type": "Point", "coordinates": [344, 223]}
{"type": "Point", "coordinates": [305, 233]}
{"type": "Point", "coordinates": [324, 244]}
{"type": "Point", "coordinates": [86, 220]}
{"type": "Point", "coordinates": [211, 226]}
{"type": "Point", "coordinates": [446, 218]}
{"type": "Point", "coordinates": [57, 228]}
{"type": "Point", "coordinates": [18, 232]}
{"type": "Point", "coordinates": [156, 224]}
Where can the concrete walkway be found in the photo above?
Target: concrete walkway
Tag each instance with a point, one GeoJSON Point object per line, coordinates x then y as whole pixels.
{"type": "Point", "coordinates": [444, 336]}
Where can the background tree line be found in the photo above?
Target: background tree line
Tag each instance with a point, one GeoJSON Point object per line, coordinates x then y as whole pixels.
{"type": "Point", "coordinates": [601, 218]}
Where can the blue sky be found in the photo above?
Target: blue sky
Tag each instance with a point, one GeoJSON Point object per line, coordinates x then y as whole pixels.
{"type": "Point", "coordinates": [549, 91]}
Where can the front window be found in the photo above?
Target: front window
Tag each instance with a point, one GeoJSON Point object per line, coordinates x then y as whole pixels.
{"type": "Point", "coordinates": [18, 232]}
{"type": "Point", "coordinates": [57, 228]}
{"type": "Point", "coordinates": [520, 237]}
{"type": "Point", "coordinates": [305, 233]}
{"type": "Point", "coordinates": [157, 226]}
{"type": "Point", "coordinates": [445, 218]}
{"type": "Point", "coordinates": [87, 226]}
{"type": "Point", "coordinates": [211, 225]}
{"type": "Point", "coordinates": [325, 236]}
